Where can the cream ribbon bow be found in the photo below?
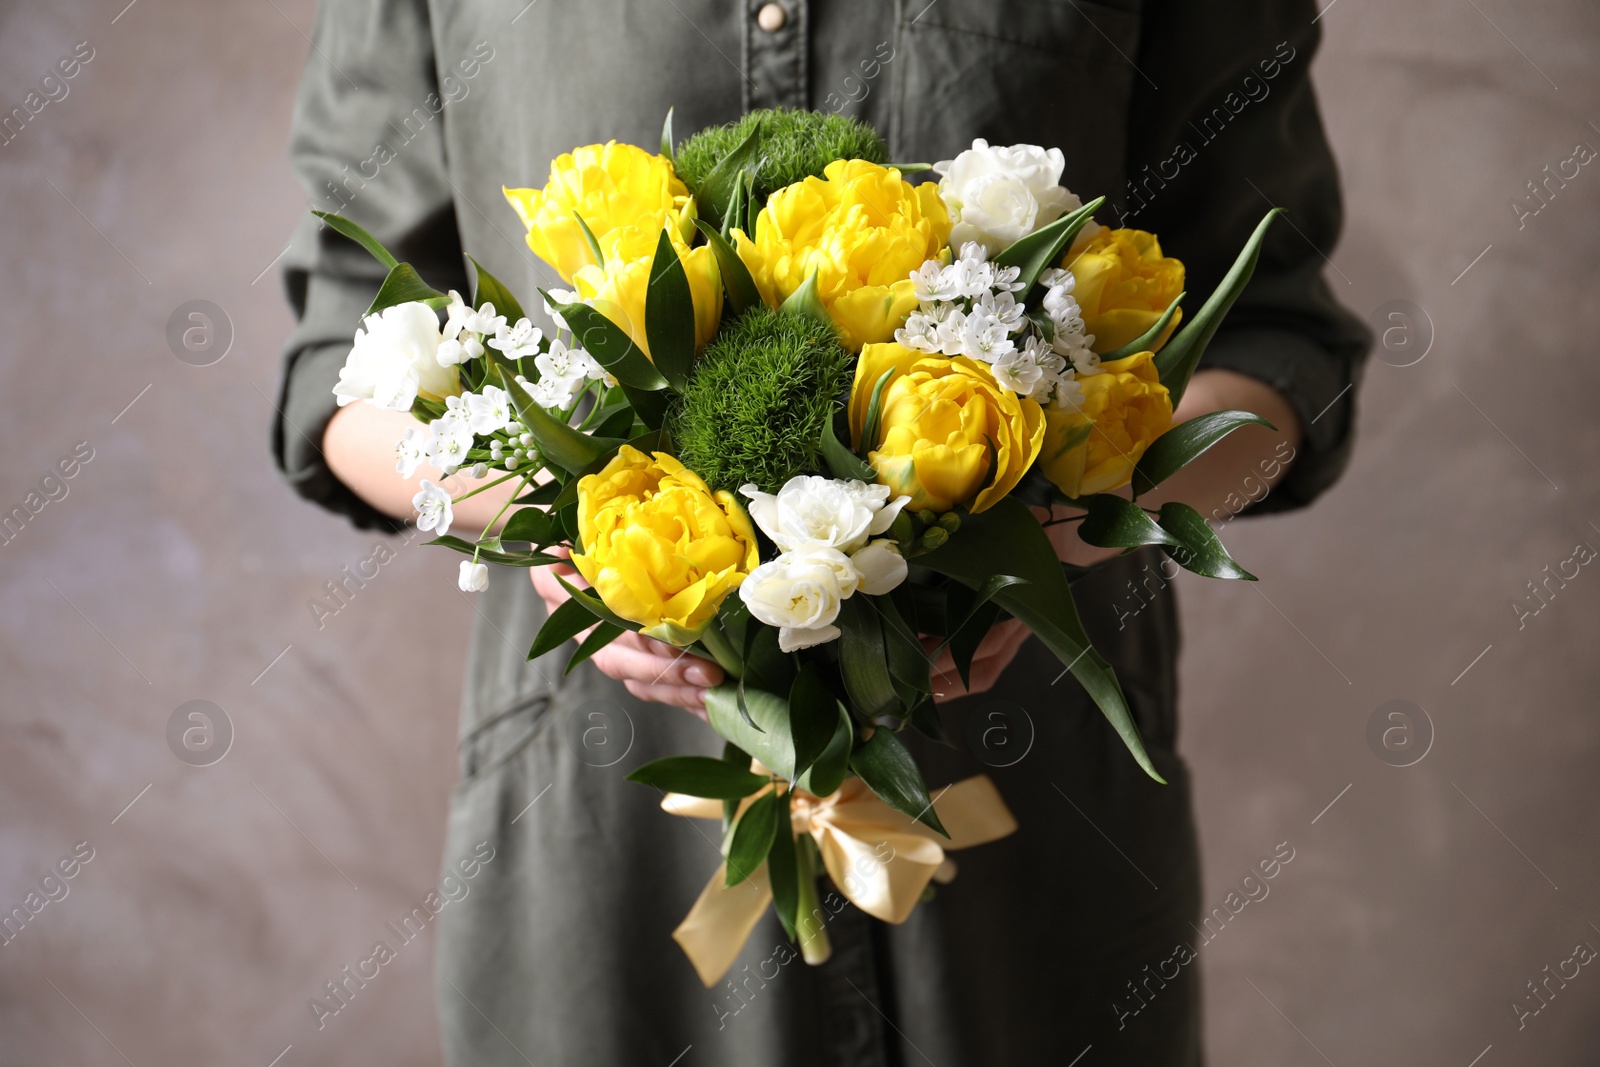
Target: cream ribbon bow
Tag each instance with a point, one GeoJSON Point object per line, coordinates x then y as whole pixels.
{"type": "Point", "coordinates": [880, 859]}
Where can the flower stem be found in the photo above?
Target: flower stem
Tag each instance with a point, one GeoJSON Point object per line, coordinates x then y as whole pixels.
{"type": "Point", "coordinates": [716, 643]}
{"type": "Point", "coordinates": [809, 917]}
{"type": "Point", "coordinates": [490, 485]}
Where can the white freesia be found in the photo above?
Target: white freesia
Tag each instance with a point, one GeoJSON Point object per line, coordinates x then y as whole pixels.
{"type": "Point", "coordinates": [879, 567]}
{"type": "Point", "coordinates": [394, 358]}
{"type": "Point", "coordinates": [1000, 194]}
{"type": "Point", "coordinates": [474, 577]}
{"type": "Point", "coordinates": [799, 595]}
{"type": "Point", "coordinates": [815, 512]}
{"type": "Point", "coordinates": [433, 508]}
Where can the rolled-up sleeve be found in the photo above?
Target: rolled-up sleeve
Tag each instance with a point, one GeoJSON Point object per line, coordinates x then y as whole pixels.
{"type": "Point", "coordinates": [1225, 126]}
{"type": "Point", "coordinates": [367, 142]}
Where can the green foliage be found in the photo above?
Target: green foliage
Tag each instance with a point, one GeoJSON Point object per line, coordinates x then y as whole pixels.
{"type": "Point", "coordinates": [795, 144]}
{"type": "Point", "coordinates": [757, 402]}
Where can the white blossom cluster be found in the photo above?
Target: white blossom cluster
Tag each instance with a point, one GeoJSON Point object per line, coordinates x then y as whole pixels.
{"type": "Point", "coordinates": [827, 532]}
{"type": "Point", "coordinates": [969, 308]}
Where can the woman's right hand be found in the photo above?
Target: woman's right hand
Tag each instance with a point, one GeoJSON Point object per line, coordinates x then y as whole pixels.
{"type": "Point", "coordinates": [652, 670]}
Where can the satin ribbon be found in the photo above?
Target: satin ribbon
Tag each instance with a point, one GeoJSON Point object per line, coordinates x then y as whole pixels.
{"type": "Point", "coordinates": [880, 859]}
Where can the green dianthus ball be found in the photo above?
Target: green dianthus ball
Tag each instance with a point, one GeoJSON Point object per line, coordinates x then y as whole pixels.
{"type": "Point", "coordinates": [795, 144]}
{"type": "Point", "coordinates": [756, 402]}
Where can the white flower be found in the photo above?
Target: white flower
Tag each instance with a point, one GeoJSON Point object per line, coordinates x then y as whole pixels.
{"type": "Point", "coordinates": [564, 297]}
{"type": "Point", "coordinates": [474, 577]}
{"type": "Point", "coordinates": [452, 438]}
{"type": "Point", "coordinates": [489, 410]}
{"type": "Point", "coordinates": [433, 508]}
{"type": "Point", "coordinates": [920, 333]}
{"type": "Point", "coordinates": [564, 362]}
{"type": "Point", "coordinates": [411, 450]}
{"type": "Point", "coordinates": [998, 195]}
{"type": "Point", "coordinates": [393, 358]}
{"type": "Point", "coordinates": [812, 512]}
{"type": "Point", "coordinates": [555, 394]}
{"type": "Point", "coordinates": [1019, 372]}
{"type": "Point", "coordinates": [485, 321]}
{"type": "Point", "coordinates": [985, 337]}
{"type": "Point", "coordinates": [1003, 308]}
{"type": "Point", "coordinates": [1068, 394]}
{"type": "Point", "coordinates": [933, 282]}
{"type": "Point", "coordinates": [1085, 361]}
{"type": "Point", "coordinates": [798, 595]}
{"type": "Point", "coordinates": [519, 341]}
{"type": "Point", "coordinates": [879, 567]}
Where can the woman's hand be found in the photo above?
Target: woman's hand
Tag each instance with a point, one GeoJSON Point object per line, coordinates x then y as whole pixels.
{"type": "Point", "coordinates": [652, 670]}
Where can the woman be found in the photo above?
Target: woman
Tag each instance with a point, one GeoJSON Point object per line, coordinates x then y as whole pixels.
{"type": "Point", "coordinates": [1068, 935]}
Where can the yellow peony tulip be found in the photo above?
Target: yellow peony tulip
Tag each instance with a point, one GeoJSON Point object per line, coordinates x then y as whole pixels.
{"type": "Point", "coordinates": [1124, 286]}
{"type": "Point", "coordinates": [948, 434]}
{"type": "Point", "coordinates": [1094, 450]}
{"type": "Point", "coordinates": [618, 289]}
{"type": "Point", "coordinates": [863, 230]}
{"type": "Point", "coordinates": [625, 195]}
{"type": "Point", "coordinates": [659, 548]}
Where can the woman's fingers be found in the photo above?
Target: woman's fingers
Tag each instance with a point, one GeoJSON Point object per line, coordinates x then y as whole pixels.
{"type": "Point", "coordinates": [995, 652]}
{"type": "Point", "coordinates": [631, 658]}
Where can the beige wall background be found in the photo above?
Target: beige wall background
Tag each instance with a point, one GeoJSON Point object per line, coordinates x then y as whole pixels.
{"type": "Point", "coordinates": [176, 568]}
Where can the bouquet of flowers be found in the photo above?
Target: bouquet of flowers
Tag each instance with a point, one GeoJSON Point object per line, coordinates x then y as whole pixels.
{"type": "Point", "coordinates": [811, 421]}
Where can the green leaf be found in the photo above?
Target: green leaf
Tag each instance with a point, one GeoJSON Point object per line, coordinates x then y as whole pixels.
{"type": "Point", "coordinates": [1177, 360]}
{"type": "Point", "coordinates": [842, 462]}
{"type": "Point", "coordinates": [909, 663]}
{"type": "Point", "coordinates": [596, 606]}
{"type": "Point", "coordinates": [752, 836]}
{"type": "Point", "coordinates": [559, 444]}
{"type": "Point", "coordinates": [969, 616]}
{"type": "Point", "coordinates": [1008, 531]}
{"type": "Point", "coordinates": [666, 135]}
{"type": "Point", "coordinates": [889, 771]}
{"type": "Point", "coordinates": [402, 286]}
{"type": "Point", "coordinates": [863, 660]}
{"type": "Point", "coordinates": [489, 290]}
{"type": "Point", "coordinates": [540, 495]}
{"type": "Point", "coordinates": [361, 237]}
{"type": "Point", "coordinates": [669, 315]}
{"type": "Point", "coordinates": [609, 344]}
{"type": "Point", "coordinates": [699, 776]}
{"type": "Point", "coordinates": [765, 736]}
{"type": "Point", "coordinates": [1042, 249]}
{"type": "Point", "coordinates": [529, 524]}
{"type": "Point", "coordinates": [783, 872]}
{"type": "Point", "coordinates": [562, 625]}
{"type": "Point", "coordinates": [772, 743]}
{"type": "Point", "coordinates": [813, 717]}
{"type": "Point", "coordinates": [617, 422]}
{"type": "Point", "coordinates": [504, 559]}
{"type": "Point", "coordinates": [589, 239]}
{"type": "Point", "coordinates": [732, 753]}
{"type": "Point", "coordinates": [602, 635]}
{"type": "Point", "coordinates": [1184, 443]}
{"type": "Point", "coordinates": [807, 301]}
{"type": "Point", "coordinates": [736, 279]}
{"type": "Point", "coordinates": [1198, 548]}
{"type": "Point", "coordinates": [870, 426]}
{"type": "Point", "coordinates": [1113, 522]}
{"type": "Point", "coordinates": [1143, 343]}
{"type": "Point", "coordinates": [716, 193]}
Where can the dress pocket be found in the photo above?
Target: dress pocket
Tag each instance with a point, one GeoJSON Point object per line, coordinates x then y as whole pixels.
{"type": "Point", "coordinates": [1056, 73]}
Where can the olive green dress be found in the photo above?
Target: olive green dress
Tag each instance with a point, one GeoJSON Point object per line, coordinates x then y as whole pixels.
{"type": "Point", "coordinates": [1055, 943]}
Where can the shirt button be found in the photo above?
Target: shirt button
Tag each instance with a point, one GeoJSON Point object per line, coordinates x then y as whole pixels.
{"type": "Point", "coordinates": [771, 17]}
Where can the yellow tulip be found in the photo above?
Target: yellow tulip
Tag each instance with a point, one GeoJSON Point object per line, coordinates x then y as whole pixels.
{"type": "Point", "coordinates": [618, 289]}
{"type": "Point", "coordinates": [659, 548]}
{"type": "Point", "coordinates": [1124, 286]}
{"type": "Point", "coordinates": [625, 196]}
{"type": "Point", "coordinates": [948, 434]}
{"type": "Point", "coordinates": [1095, 449]}
{"type": "Point", "coordinates": [862, 230]}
